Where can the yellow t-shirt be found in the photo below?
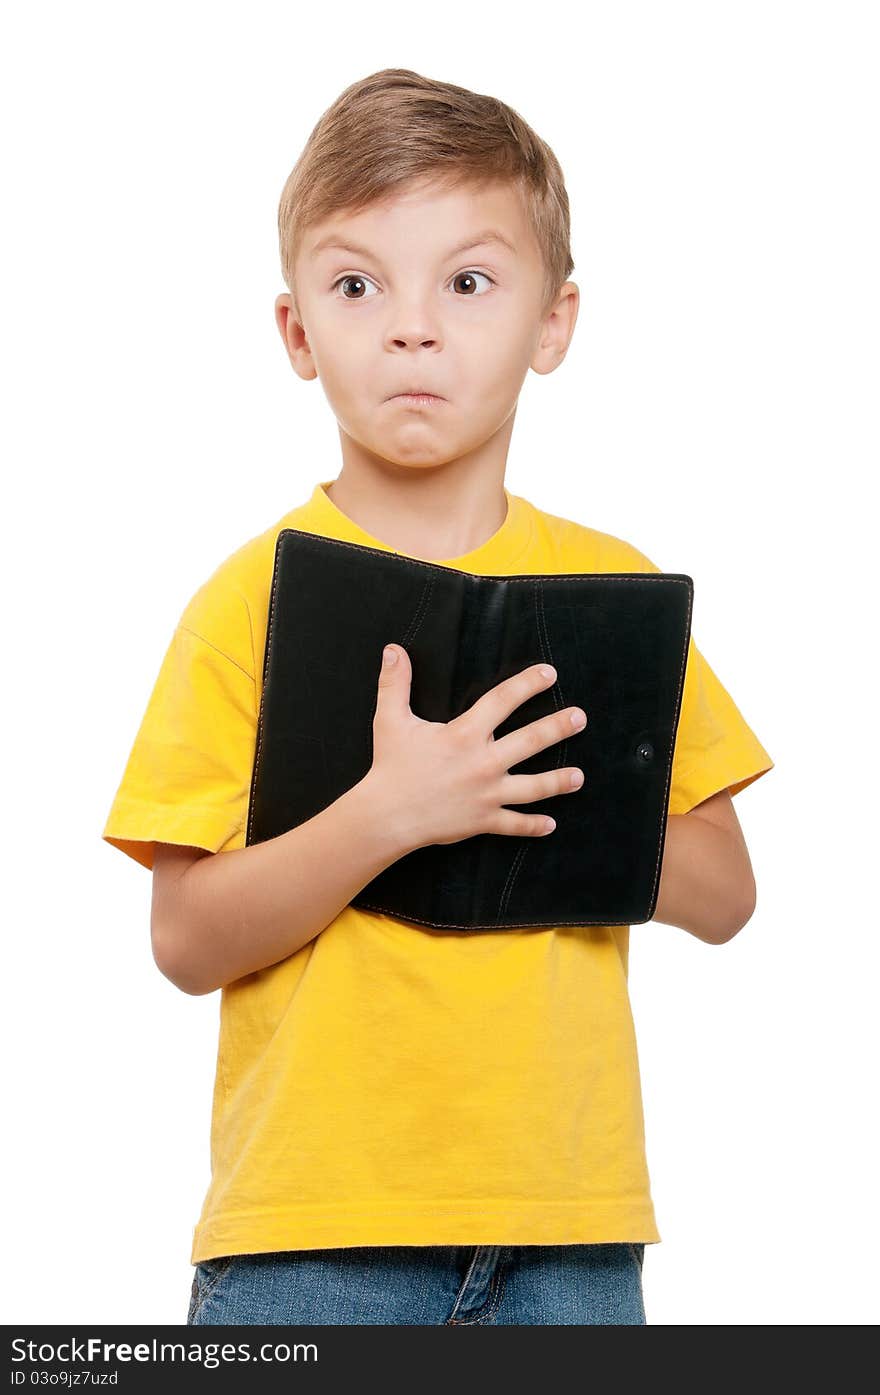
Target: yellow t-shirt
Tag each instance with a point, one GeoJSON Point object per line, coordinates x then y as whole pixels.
{"type": "Point", "coordinates": [388, 1084]}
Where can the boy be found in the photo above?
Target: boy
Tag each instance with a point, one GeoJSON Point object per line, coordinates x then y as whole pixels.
{"type": "Point", "coordinates": [413, 1126]}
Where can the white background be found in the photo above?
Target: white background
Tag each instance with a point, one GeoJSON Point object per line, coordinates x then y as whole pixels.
{"type": "Point", "coordinates": [717, 408]}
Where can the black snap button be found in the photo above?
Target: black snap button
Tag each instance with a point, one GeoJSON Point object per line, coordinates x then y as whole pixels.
{"type": "Point", "coordinates": [645, 751]}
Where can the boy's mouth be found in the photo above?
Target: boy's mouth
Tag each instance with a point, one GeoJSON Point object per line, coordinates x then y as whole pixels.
{"type": "Point", "coordinates": [416, 398]}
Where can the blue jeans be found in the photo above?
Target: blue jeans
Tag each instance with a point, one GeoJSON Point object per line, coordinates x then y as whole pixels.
{"type": "Point", "coordinates": [424, 1285]}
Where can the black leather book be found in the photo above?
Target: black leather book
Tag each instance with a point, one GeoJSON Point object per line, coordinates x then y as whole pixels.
{"type": "Point", "coordinates": [619, 644]}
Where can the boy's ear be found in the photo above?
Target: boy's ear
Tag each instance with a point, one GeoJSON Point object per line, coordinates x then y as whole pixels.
{"type": "Point", "coordinates": [293, 336]}
{"type": "Point", "coordinates": [285, 317]}
{"type": "Point", "coordinates": [557, 329]}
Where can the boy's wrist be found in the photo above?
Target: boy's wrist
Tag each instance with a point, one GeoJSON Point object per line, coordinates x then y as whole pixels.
{"type": "Point", "coordinates": [385, 819]}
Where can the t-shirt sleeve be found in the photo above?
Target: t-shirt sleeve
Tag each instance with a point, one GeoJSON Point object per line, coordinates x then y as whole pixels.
{"type": "Point", "coordinates": [187, 778]}
{"type": "Point", "coordinates": [715, 748]}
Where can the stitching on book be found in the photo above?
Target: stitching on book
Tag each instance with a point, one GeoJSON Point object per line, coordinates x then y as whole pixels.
{"type": "Point", "coordinates": [269, 637]}
{"type": "Point", "coordinates": [561, 746]}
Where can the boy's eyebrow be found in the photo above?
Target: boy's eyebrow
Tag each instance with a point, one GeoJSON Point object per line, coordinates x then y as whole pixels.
{"type": "Point", "coordinates": [480, 239]}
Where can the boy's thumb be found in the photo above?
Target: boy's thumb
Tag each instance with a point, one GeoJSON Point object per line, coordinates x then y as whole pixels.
{"type": "Point", "coordinates": [394, 675]}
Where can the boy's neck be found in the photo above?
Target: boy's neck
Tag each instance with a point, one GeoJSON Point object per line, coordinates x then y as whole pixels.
{"type": "Point", "coordinates": [429, 517]}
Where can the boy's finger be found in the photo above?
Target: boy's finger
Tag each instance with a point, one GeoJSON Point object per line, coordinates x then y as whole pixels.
{"type": "Point", "coordinates": [395, 675]}
{"type": "Point", "coordinates": [496, 706]}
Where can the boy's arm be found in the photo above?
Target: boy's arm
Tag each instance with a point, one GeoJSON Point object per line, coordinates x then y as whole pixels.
{"type": "Point", "coordinates": [707, 885]}
{"type": "Point", "coordinates": [230, 914]}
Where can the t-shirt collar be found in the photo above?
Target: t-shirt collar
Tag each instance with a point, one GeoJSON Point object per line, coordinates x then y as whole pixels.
{"type": "Point", "coordinates": [505, 547]}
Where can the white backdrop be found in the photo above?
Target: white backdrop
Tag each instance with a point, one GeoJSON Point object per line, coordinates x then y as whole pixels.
{"type": "Point", "coordinates": [717, 408]}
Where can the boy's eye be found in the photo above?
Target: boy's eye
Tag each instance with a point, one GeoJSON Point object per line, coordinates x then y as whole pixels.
{"type": "Point", "coordinates": [468, 277]}
{"type": "Point", "coordinates": [356, 281]}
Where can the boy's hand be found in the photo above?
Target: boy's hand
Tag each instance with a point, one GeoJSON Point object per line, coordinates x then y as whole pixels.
{"type": "Point", "coordinates": [449, 780]}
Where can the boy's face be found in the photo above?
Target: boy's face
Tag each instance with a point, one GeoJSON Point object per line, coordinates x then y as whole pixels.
{"type": "Point", "coordinates": [408, 306]}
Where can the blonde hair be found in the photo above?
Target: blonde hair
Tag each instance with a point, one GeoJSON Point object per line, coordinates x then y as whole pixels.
{"type": "Point", "coordinates": [396, 126]}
